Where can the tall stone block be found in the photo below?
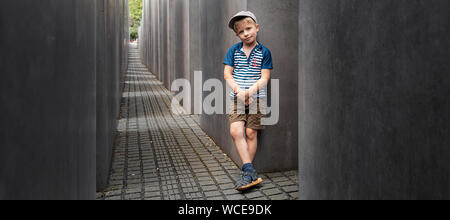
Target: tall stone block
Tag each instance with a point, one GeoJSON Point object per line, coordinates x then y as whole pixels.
{"type": "Point", "coordinates": [373, 99]}
{"type": "Point", "coordinates": [48, 119]}
{"type": "Point", "coordinates": [279, 32]}
{"type": "Point", "coordinates": [215, 39]}
{"type": "Point", "coordinates": [61, 63]}
{"type": "Point", "coordinates": [112, 56]}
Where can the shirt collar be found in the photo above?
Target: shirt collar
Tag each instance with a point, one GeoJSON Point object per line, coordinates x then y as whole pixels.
{"type": "Point", "coordinates": [258, 46]}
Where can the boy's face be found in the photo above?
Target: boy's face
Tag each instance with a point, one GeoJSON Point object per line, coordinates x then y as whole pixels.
{"type": "Point", "coordinates": [247, 32]}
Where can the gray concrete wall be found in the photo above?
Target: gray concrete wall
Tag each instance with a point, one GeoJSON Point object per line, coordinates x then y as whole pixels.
{"type": "Point", "coordinates": [199, 39]}
{"type": "Point", "coordinates": [374, 91]}
{"type": "Point", "coordinates": [112, 58]}
{"type": "Point", "coordinates": [195, 44]}
{"type": "Point", "coordinates": [49, 89]}
{"type": "Point", "coordinates": [279, 32]}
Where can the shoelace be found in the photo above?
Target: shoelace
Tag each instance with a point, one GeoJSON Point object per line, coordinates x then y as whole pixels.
{"type": "Point", "coordinates": [245, 176]}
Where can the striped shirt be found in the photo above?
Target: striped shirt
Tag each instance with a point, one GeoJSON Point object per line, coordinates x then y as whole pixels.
{"type": "Point", "coordinates": [248, 71]}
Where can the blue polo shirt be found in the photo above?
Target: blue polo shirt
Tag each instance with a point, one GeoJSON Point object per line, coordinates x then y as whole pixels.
{"type": "Point", "coordinates": [248, 71]}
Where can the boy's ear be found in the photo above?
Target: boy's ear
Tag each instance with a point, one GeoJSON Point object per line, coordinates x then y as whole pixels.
{"type": "Point", "coordinates": [257, 27]}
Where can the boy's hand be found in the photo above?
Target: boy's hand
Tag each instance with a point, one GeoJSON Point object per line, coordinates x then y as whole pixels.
{"type": "Point", "coordinates": [248, 97]}
{"type": "Point", "coordinates": [241, 95]}
{"type": "Point", "coordinates": [249, 101]}
{"type": "Point", "coordinates": [244, 96]}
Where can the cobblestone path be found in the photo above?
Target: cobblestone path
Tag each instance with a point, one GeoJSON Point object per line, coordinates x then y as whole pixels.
{"type": "Point", "coordinates": [163, 156]}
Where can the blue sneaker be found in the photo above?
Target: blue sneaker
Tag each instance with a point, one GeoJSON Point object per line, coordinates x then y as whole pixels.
{"type": "Point", "coordinates": [247, 180]}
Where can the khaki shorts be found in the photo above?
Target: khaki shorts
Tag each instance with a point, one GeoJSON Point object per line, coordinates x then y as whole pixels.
{"type": "Point", "coordinates": [250, 114]}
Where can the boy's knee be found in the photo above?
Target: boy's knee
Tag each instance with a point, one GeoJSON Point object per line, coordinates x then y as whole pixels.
{"type": "Point", "coordinates": [236, 132]}
{"type": "Point", "coordinates": [251, 134]}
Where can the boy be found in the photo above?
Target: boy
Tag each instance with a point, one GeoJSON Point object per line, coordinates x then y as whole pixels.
{"type": "Point", "coordinates": [247, 71]}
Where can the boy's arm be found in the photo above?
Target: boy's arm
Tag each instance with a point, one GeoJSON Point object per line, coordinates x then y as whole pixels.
{"type": "Point", "coordinates": [261, 83]}
{"type": "Point", "coordinates": [228, 76]}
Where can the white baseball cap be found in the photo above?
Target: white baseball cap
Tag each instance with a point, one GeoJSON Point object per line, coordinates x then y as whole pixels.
{"type": "Point", "coordinates": [239, 16]}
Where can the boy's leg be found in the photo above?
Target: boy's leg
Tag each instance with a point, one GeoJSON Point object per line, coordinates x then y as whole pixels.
{"type": "Point", "coordinates": [248, 176]}
{"type": "Point", "coordinates": [252, 142]}
{"type": "Point", "coordinates": [253, 125]}
{"type": "Point", "coordinates": [237, 132]}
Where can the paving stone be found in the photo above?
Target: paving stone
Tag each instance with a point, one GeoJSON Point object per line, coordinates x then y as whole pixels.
{"type": "Point", "coordinates": [285, 183]}
{"type": "Point", "coordinates": [231, 192]}
{"type": "Point", "coordinates": [279, 197]}
{"type": "Point", "coordinates": [294, 195]}
{"type": "Point", "coordinates": [207, 178]}
{"type": "Point", "coordinates": [254, 194]}
{"type": "Point", "coordinates": [215, 198]}
{"type": "Point", "coordinates": [227, 186]}
{"type": "Point", "coordinates": [112, 193]}
{"type": "Point", "coordinates": [235, 197]}
{"type": "Point", "coordinates": [222, 180]}
{"type": "Point", "coordinates": [260, 198]}
{"type": "Point", "coordinates": [274, 175]}
{"type": "Point", "coordinates": [152, 188]}
{"type": "Point", "coordinates": [113, 198]}
{"type": "Point", "coordinates": [152, 194]}
{"type": "Point", "coordinates": [135, 196]}
{"type": "Point", "coordinates": [280, 179]}
{"type": "Point", "coordinates": [212, 193]}
{"type": "Point", "coordinates": [272, 191]}
{"type": "Point", "coordinates": [268, 186]}
{"type": "Point", "coordinates": [209, 188]}
{"type": "Point", "coordinates": [289, 189]}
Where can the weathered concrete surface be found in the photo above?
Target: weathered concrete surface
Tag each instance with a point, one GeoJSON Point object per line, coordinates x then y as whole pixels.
{"type": "Point", "coordinates": [216, 39]}
{"type": "Point", "coordinates": [112, 59]}
{"type": "Point", "coordinates": [199, 39]}
{"type": "Point", "coordinates": [279, 32]}
{"type": "Point", "coordinates": [49, 90]}
{"type": "Point", "coordinates": [374, 91]}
